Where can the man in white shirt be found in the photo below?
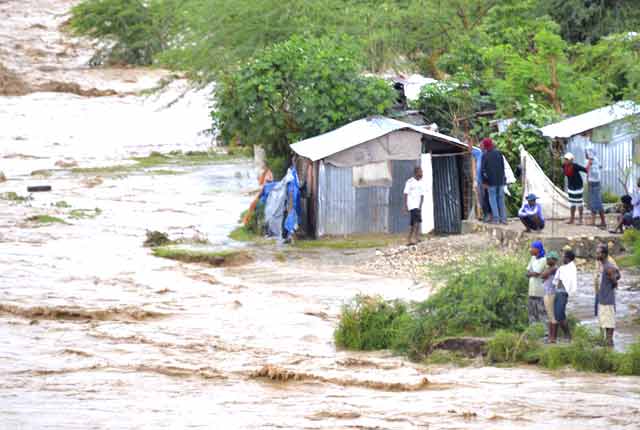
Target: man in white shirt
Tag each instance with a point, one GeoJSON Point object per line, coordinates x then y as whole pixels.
{"type": "Point", "coordinates": [413, 199]}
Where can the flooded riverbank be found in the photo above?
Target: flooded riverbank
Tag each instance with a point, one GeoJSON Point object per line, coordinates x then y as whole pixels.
{"type": "Point", "coordinates": [96, 333]}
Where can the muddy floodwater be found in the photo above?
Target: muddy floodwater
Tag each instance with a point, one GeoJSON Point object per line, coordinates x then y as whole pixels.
{"type": "Point", "coordinates": [96, 333]}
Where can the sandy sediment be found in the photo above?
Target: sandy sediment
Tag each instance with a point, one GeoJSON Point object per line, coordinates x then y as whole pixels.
{"type": "Point", "coordinates": [279, 374]}
{"type": "Point", "coordinates": [77, 313]}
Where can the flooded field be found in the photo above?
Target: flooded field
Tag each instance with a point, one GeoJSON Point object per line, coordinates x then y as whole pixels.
{"type": "Point", "coordinates": [96, 333]}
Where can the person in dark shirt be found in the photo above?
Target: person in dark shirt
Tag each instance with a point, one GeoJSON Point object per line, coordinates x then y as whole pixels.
{"type": "Point", "coordinates": [575, 186]}
{"type": "Point", "coordinates": [607, 293]}
{"type": "Point", "coordinates": [493, 175]}
{"type": "Point", "coordinates": [625, 219]}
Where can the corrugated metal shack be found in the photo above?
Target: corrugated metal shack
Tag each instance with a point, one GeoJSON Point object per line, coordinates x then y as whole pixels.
{"type": "Point", "coordinates": [614, 134]}
{"type": "Point", "coordinates": [355, 177]}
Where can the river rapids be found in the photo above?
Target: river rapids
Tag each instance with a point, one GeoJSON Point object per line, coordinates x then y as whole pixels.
{"type": "Point", "coordinates": [96, 333]}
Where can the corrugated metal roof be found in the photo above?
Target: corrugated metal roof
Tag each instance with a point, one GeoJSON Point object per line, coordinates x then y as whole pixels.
{"type": "Point", "coordinates": [356, 133]}
{"type": "Point", "coordinates": [590, 120]}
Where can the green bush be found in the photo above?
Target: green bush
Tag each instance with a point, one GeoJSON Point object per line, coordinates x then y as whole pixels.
{"type": "Point", "coordinates": [136, 30]}
{"type": "Point", "coordinates": [631, 238]}
{"type": "Point", "coordinates": [508, 347]}
{"type": "Point", "coordinates": [296, 89]}
{"type": "Point", "coordinates": [478, 299]}
{"type": "Point", "coordinates": [371, 323]}
{"type": "Point", "coordinates": [609, 197]}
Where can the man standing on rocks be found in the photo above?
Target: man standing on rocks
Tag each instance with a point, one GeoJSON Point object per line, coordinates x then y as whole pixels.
{"type": "Point", "coordinates": [607, 293]}
{"type": "Point", "coordinates": [413, 199]}
{"type": "Point", "coordinates": [493, 175]}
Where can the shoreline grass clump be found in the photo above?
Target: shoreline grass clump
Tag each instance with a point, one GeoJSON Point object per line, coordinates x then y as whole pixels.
{"type": "Point", "coordinates": [372, 323]}
{"type": "Point", "coordinates": [85, 213]}
{"type": "Point", "coordinates": [157, 159]}
{"type": "Point", "coordinates": [213, 258]}
{"type": "Point", "coordinates": [352, 243]}
{"type": "Point", "coordinates": [15, 197]}
{"type": "Point", "coordinates": [46, 219]}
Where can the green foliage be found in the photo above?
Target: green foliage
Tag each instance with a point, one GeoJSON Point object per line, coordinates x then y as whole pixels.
{"type": "Point", "coordinates": [588, 21]}
{"type": "Point", "coordinates": [614, 62]}
{"type": "Point", "coordinates": [478, 299]}
{"type": "Point", "coordinates": [156, 238]}
{"type": "Point", "coordinates": [46, 219]}
{"type": "Point", "coordinates": [61, 204]}
{"type": "Point", "coordinates": [450, 105]}
{"type": "Point", "coordinates": [586, 352]}
{"type": "Point", "coordinates": [351, 243]}
{"type": "Point", "coordinates": [609, 197]}
{"type": "Point", "coordinates": [135, 30]}
{"type": "Point", "coordinates": [85, 213]}
{"type": "Point", "coordinates": [511, 347]}
{"type": "Point", "coordinates": [631, 239]}
{"type": "Point", "coordinates": [15, 197]}
{"type": "Point", "coordinates": [371, 323]}
{"type": "Point", "coordinates": [294, 90]}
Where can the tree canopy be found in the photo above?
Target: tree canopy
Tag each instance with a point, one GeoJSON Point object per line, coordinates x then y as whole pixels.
{"type": "Point", "coordinates": [294, 90]}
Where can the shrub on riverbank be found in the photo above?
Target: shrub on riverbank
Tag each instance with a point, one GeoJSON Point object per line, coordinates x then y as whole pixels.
{"type": "Point", "coordinates": [477, 300]}
{"type": "Point", "coordinates": [631, 238]}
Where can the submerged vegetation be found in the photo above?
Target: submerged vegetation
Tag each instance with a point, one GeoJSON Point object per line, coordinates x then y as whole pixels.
{"type": "Point", "coordinates": [45, 219]}
{"type": "Point", "coordinates": [489, 299]}
{"type": "Point", "coordinates": [85, 213]}
{"type": "Point", "coordinates": [12, 196]}
{"type": "Point", "coordinates": [193, 255]}
{"type": "Point", "coordinates": [157, 159]}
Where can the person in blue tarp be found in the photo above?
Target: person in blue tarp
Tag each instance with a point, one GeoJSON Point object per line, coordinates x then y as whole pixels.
{"type": "Point", "coordinates": [292, 204]}
{"type": "Point", "coordinates": [282, 205]}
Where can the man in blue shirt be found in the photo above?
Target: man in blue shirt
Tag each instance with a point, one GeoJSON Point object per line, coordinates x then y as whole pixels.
{"type": "Point", "coordinates": [531, 214]}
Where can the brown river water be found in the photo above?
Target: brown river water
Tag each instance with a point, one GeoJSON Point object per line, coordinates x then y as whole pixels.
{"type": "Point", "coordinates": [96, 333]}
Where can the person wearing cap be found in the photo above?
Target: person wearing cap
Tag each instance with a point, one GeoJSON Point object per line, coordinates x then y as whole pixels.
{"type": "Point", "coordinates": [548, 276]}
{"type": "Point", "coordinates": [575, 185]}
{"type": "Point", "coordinates": [595, 190]}
{"type": "Point", "coordinates": [493, 174]}
{"type": "Point", "coordinates": [531, 214]}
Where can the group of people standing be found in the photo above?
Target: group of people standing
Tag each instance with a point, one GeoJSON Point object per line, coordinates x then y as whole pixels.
{"type": "Point", "coordinates": [551, 285]}
{"type": "Point", "coordinates": [531, 212]}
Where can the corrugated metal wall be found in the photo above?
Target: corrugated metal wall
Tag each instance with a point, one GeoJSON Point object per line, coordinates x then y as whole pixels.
{"type": "Point", "coordinates": [398, 219]}
{"type": "Point", "coordinates": [447, 205]}
{"type": "Point", "coordinates": [344, 209]}
{"type": "Point", "coordinates": [615, 156]}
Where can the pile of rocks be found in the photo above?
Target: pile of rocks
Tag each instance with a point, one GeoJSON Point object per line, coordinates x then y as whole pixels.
{"type": "Point", "coordinates": [415, 261]}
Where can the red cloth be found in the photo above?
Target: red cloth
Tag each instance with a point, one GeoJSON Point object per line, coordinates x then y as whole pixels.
{"type": "Point", "coordinates": [568, 169]}
{"type": "Point", "coordinates": [487, 143]}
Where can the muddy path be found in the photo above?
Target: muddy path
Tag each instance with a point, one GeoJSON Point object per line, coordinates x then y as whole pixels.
{"type": "Point", "coordinates": [95, 332]}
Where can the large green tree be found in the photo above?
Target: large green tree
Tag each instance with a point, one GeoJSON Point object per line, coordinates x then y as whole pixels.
{"type": "Point", "coordinates": [297, 89]}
